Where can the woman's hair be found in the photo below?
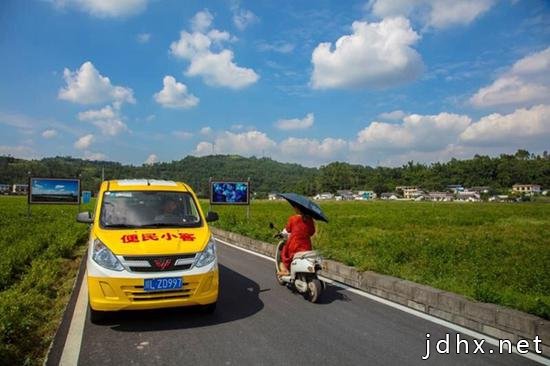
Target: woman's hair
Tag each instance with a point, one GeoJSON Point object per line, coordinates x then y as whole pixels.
{"type": "Point", "coordinates": [304, 215]}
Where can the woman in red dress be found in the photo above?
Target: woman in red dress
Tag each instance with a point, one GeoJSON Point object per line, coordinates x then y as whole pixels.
{"type": "Point", "coordinates": [301, 228]}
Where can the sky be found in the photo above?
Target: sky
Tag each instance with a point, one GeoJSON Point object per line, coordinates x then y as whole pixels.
{"type": "Point", "coordinates": [372, 82]}
{"type": "Point", "coordinates": [44, 186]}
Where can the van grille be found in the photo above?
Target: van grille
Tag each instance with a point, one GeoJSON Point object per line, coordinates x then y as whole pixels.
{"type": "Point", "coordinates": [159, 263]}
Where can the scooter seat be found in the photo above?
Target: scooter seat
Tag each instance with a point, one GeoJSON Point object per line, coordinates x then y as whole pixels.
{"type": "Point", "coordinates": [306, 254]}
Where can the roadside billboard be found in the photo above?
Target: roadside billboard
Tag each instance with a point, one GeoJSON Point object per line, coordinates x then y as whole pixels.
{"type": "Point", "coordinates": [229, 193]}
{"type": "Point", "coordinates": [54, 191]}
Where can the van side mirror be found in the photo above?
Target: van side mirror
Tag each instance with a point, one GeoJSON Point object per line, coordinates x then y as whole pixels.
{"type": "Point", "coordinates": [212, 216]}
{"type": "Point", "coordinates": [85, 217]}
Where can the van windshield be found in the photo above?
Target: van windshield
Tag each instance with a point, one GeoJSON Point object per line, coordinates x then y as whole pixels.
{"type": "Point", "coordinates": [141, 209]}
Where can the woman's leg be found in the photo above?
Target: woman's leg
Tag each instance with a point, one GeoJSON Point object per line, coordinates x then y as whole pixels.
{"type": "Point", "coordinates": [283, 270]}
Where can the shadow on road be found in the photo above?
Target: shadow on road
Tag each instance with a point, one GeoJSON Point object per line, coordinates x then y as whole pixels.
{"type": "Point", "coordinates": [331, 294]}
{"type": "Point", "coordinates": [239, 298]}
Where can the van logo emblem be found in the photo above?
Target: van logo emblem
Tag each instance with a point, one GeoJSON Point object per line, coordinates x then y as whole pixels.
{"type": "Point", "coordinates": [163, 264]}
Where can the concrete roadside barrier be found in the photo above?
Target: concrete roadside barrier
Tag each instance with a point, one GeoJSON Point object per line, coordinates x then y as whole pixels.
{"type": "Point", "coordinates": [494, 320]}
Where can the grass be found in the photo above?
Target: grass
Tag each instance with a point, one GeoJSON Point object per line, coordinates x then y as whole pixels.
{"type": "Point", "coordinates": [39, 259]}
{"type": "Point", "coordinates": [490, 252]}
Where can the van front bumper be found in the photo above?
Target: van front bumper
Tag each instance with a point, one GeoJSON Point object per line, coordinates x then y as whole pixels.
{"type": "Point", "coordinates": [123, 293]}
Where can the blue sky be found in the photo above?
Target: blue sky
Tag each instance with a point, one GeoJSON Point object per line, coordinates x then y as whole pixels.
{"type": "Point", "coordinates": [374, 82]}
{"type": "Point", "coordinates": [44, 186]}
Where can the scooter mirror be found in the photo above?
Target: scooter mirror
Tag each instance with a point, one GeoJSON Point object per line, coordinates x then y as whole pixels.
{"type": "Point", "coordinates": [271, 226]}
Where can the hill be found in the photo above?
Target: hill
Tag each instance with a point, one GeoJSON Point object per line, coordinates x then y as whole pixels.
{"type": "Point", "coordinates": [268, 175]}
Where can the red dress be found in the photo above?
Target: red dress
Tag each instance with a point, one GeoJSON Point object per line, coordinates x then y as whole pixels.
{"type": "Point", "coordinates": [301, 229]}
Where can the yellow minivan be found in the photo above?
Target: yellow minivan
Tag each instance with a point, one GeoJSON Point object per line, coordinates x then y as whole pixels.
{"type": "Point", "coordinates": [150, 247]}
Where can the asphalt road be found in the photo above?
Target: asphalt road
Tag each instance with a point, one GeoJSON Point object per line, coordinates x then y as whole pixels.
{"type": "Point", "coordinates": [258, 322]}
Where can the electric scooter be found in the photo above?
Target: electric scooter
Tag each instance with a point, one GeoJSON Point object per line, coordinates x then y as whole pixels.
{"type": "Point", "coordinates": [303, 270]}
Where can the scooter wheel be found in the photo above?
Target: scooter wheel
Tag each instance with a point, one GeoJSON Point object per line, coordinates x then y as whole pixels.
{"type": "Point", "coordinates": [314, 289]}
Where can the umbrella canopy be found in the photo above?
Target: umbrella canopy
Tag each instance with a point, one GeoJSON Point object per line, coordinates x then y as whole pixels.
{"type": "Point", "coordinates": [305, 205]}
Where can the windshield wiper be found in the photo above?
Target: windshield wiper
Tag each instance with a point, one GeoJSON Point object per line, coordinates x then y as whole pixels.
{"type": "Point", "coordinates": [166, 224]}
{"type": "Point", "coordinates": [122, 226]}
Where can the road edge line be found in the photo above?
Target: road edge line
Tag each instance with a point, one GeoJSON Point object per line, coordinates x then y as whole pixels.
{"type": "Point", "coordinates": [73, 342]}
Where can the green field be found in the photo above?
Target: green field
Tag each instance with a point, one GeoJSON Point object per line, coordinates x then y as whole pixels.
{"type": "Point", "coordinates": [498, 253]}
{"type": "Point", "coordinates": [38, 262]}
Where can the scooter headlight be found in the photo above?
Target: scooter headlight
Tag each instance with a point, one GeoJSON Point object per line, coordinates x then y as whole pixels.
{"type": "Point", "coordinates": [208, 255]}
{"type": "Point", "coordinates": [104, 257]}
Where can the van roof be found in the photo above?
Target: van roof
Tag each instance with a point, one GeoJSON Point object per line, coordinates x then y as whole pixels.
{"type": "Point", "coordinates": [144, 185]}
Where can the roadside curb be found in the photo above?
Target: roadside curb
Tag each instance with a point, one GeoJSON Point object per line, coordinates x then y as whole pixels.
{"type": "Point", "coordinates": [494, 320]}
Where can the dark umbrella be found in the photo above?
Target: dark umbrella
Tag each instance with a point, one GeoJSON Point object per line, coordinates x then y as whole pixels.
{"type": "Point", "coordinates": [305, 205]}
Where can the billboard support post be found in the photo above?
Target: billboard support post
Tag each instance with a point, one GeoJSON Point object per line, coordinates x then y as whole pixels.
{"type": "Point", "coordinates": [79, 193]}
{"type": "Point", "coordinates": [248, 206]}
{"type": "Point", "coordinates": [29, 195]}
{"type": "Point", "coordinates": [210, 194]}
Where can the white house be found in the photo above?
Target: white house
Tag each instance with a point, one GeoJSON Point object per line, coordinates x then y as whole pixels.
{"type": "Point", "coordinates": [410, 192]}
{"type": "Point", "coordinates": [526, 188]}
{"type": "Point", "coordinates": [324, 196]}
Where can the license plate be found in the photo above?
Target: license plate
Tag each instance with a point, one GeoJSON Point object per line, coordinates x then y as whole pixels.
{"type": "Point", "coordinates": [159, 284]}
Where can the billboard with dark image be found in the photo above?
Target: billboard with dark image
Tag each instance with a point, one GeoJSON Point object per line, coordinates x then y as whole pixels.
{"type": "Point", "coordinates": [54, 190]}
{"type": "Point", "coordinates": [229, 193]}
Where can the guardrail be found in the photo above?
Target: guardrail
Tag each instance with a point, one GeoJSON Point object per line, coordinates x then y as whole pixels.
{"type": "Point", "coordinates": [494, 320]}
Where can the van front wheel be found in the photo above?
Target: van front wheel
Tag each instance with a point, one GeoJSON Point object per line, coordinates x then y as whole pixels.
{"type": "Point", "coordinates": [97, 317]}
{"type": "Point", "coordinates": [209, 309]}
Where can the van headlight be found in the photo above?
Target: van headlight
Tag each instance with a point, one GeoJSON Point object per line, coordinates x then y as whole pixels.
{"type": "Point", "coordinates": [208, 255]}
{"type": "Point", "coordinates": [104, 257]}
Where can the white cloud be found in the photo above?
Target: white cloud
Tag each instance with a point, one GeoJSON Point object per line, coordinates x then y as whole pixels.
{"type": "Point", "coordinates": [242, 127]}
{"type": "Point", "coordinates": [246, 143]}
{"type": "Point", "coordinates": [49, 134]}
{"type": "Point", "coordinates": [423, 138]}
{"type": "Point", "coordinates": [280, 47]}
{"type": "Point", "coordinates": [107, 112]}
{"type": "Point", "coordinates": [105, 8]}
{"type": "Point", "coordinates": [88, 155]}
{"type": "Point", "coordinates": [433, 13]}
{"type": "Point", "coordinates": [328, 149]}
{"type": "Point", "coordinates": [19, 151]}
{"type": "Point", "coordinates": [392, 116]}
{"type": "Point", "coordinates": [296, 123]}
{"type": "Point", "coordinates": [84, 142]}
{"type": "Point", "coordinates": [88, 86]}
{"type": "Point", "coordinates": [525, 84]}
{"type": "Point", "coordinates": [417, 132]}
{"type": "Point", "coordinates": [19, 121]}
{"type": "Point", "coordinates": [242, 18]}
{"type": "Point", "coordinates": [521, 128]}
{"type": "Point", "coordinates": [375, 55]}
{"type": "Point", "coordinates": [216, 68]}
{"type": "Point", "coordinates": [151, 159]}
{"type": "Point", "coordinates": [202, 21]}
{"type": "Point", "coordinates": [143, 37]}
{"type": "Point", "coordinates": [175, 95]}
{"type": "Point", "coordinates": [150, 118]}
{"type": "Point", "coordinates": [107, 119]}
{"type": "Point", "coordinates": [183, 135]}
{"type": "Point", "coordinates": [205, 131]}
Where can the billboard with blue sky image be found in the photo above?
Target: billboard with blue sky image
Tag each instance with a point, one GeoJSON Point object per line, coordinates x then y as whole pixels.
{"type": "Point", "coordinates": [53, 190]}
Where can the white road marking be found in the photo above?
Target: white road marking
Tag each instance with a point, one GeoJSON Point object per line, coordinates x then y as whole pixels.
{"type": "Point", "coordinates": [428, 317]}
{"type": "Point", "coordinates": [71, 349]}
